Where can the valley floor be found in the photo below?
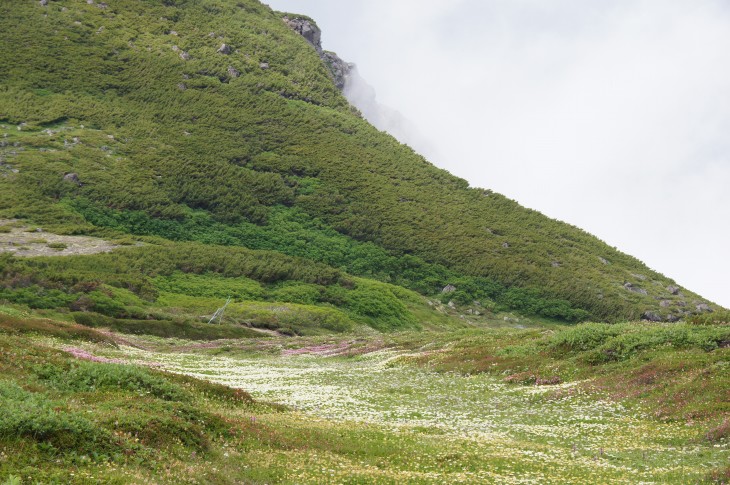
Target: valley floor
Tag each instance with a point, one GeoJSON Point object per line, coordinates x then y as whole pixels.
{"type": "Point", "coordinates": [383, 420]}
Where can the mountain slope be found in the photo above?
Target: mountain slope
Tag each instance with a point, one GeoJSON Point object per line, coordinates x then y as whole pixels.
{"type": "Point", "coordinates": [212, 121]}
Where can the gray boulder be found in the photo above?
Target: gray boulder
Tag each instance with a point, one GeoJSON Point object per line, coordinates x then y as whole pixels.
{"type": "Point", "coordinates": [233, 72]}
{"type": "Point", "coordinates": [703, 307]}
{"type": "Point", "coordinates": [448, 289]}
{"type": "Point", "coordinates": [651, 316]}
{"type": "Point", "coordinates": [72, 178]}
{"type": "Point", "coordinates": [635, 289]}
{"type": "Point", "coordinates": [225, 49]}
{"type": "Point", "coordinates": [673, 290]}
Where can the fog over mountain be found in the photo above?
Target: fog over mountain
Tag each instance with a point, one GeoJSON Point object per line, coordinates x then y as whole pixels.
{"type": "Point", "coordinates": [612, 116]}
{"type": "Point", "coordinates": [363, 96]}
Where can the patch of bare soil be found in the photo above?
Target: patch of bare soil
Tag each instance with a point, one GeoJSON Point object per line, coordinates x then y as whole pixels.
{"type": "Point", "coordinates": [22, 240]}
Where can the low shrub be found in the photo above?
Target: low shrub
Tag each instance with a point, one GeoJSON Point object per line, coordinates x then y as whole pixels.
{"type": "Point", "coordinates": [13, 325]}
{"type": "Point", "coordinates": [30, 415]}
{"type": "Point", "coordinates": [605, 342]}
{"type": "Point", "coordinates": [719, 433]}
{"type": "Point", "coordinates": [90, 376]}
{"type": "Point", "coordinates": [186, 329]}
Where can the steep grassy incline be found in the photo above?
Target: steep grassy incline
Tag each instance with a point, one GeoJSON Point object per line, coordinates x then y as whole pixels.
{"type": "Point", "coordinates": [211, 121]}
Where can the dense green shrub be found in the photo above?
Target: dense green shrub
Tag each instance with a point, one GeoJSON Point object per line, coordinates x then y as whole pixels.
{"type": "Point", "coordinates": [89, 376]}
{"type": "Point", "coordinates": [605, 342]}
{"type": "Point", "coordinates": [30, 415]}
{"type": "Point", "coordinates": [186, 329]}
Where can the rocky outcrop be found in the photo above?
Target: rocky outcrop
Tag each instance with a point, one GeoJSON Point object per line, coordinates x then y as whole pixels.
{"type": "Point", "coordinates": [651, 316]}
{"type": "Point", "coordinates": [307, 29]}
{"type": "Point", "coordinates": [339, 69]}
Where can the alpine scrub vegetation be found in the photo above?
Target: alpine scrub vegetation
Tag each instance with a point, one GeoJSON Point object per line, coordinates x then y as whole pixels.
{"type": "Point", "coordinates": [212, 121]}
{"type": "Point", "coordinates": [165, 161]}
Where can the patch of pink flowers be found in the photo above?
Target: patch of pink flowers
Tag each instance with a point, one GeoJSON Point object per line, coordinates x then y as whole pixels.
{"type": "Point", "coordinates": [325, 349]}
{"type": "Point", "coordinates": [83, 354]}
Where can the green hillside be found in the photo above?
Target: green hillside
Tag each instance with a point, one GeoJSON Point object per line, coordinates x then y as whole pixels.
{"type": "Point", "coordinates": [132, 119]}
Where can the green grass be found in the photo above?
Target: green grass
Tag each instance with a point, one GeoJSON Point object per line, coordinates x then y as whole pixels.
{"type": "Point", "coordinates": [405, 408]}
{"type": "Point", "coordinates": [428, 424]}
{"type": "Point", "coordinates": [57, 246]}
{"type": "Point", "coordinates": [678, 369]}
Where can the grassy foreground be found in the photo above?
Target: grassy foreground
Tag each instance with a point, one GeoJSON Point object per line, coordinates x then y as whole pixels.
{"type": "Point", "coordinates": [88, 407]}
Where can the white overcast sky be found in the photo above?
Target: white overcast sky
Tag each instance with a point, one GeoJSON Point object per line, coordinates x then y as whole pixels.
{"type": "Point", "coordinates": [612, 115]}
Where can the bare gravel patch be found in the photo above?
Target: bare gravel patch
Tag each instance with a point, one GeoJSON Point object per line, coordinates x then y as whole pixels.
{"type": "Point", "coordinates": [26, 241]}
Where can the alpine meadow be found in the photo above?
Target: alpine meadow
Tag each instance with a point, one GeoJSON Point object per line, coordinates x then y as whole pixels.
{"type": "Point", "coordinates": [213, 269]}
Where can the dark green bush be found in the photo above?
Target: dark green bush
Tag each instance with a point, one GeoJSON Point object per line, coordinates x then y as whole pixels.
{"type": "Point", "coordinates": [89, 376]}
{"type": "Point", "coordinates": [186, 329]}
{"type": "Point", "coordinates": [29, 415]}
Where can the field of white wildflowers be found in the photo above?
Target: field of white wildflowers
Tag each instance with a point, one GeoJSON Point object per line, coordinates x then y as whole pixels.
{"type": "Point", "coordinates": [448, 428]}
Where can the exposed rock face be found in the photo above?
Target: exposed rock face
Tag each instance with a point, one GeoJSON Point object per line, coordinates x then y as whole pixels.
{"type": "Point", "coordinates": [339, 69]}
{"type": "Point", "coordinates": [448, 289]}
{"type": "Point", "coordinates": [674, 290]}
{"type": "Point", "coordinates": [233, 72]}
{"type": "Point", "coordinates": [225, 49]}
{"type": "Point", "coordinates": [308, 30]}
